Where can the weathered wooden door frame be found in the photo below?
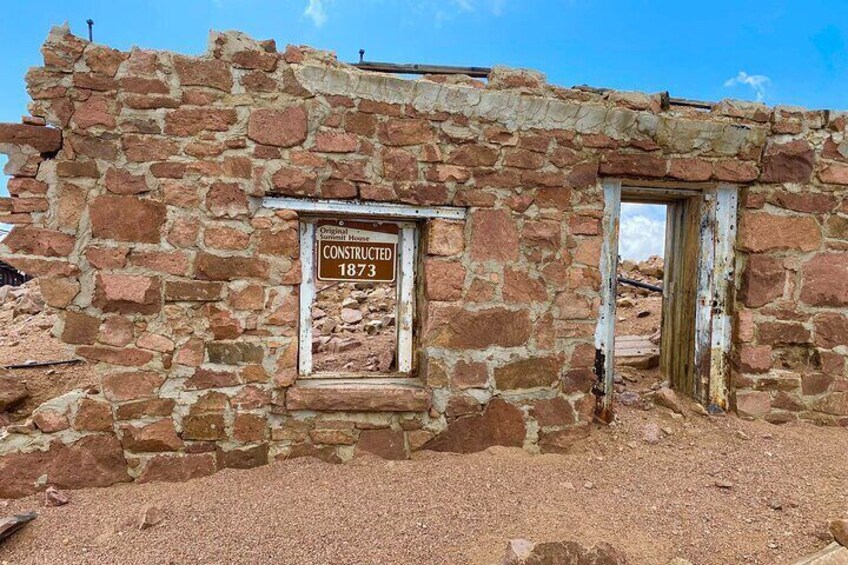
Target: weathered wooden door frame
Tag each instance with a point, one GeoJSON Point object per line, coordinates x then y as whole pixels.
{"type": "Point", "coordinates": [717, 216]}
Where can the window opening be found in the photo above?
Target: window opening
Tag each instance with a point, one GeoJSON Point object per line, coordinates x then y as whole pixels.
{"type": "Point", "coordinates": [357, 297]}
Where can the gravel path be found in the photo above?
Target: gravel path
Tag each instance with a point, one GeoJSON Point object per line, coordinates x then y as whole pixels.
{"type": "Point", "coordinates": [654, 502]}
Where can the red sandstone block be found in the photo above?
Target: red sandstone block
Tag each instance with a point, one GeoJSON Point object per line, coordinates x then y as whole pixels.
{"type": "Point", "coordinates": [280, 128]}
{"type": "Point", "coordinates": [142, 85]}
{"type": "Point", "coordinates": [94, 81]}
{"type": "Point", "coordinates": [834, 173]}
{"type": "Point", "coordinates": [633, 164]}
{"type": "Point", "coordinates": [443, 280]}
{"type": "Point", "coordinates": [29, 205]}
{"type": "Point", "coordinates": [93, 416]}
{"type": "Point", "coordinates": [187, 122]}
{"type": "Point", "coordinates": [127, 293]}
{"type": "Point", "coordinates": [77, 169]}
{"type": "Point", "coordinates": [831, 329]}
{"type": "Point", "coordinates": [122, 182]}
{"type": "Point", "coordinates": [523, 159]}
{"type": "Point", "coordinates": [335, 142]}
{"type": "Point", "coordinates": [79, 328]}
{"type": "Point", "coordinates": [445, 238]}
{"type": "Point", "coordinates": [140, 148]}
{"type": "Point", "coordinates": [168, 170]}
{"type": "Point", "coordinates": [457, 328]}
{"type": "Point", "coordinates": [178, 468]}
{"type": "Point", "coordinates": [473, 156]}
{"type": "Point", "coordinates": [584, 225]}
{"type": "Point", "coordinates": [192, 291]}
{"type": "Point", "coordinates": [399, 164]}
{"type": "Point", "coordinates": [735, 171]}
{"type": "Point", "coordinates": [158, 436]}
{"type": "Point", "coordinates": [755, 359]}
{"type": "Point", "coordinates": [401, 132]}
{"type": "Point", "coordinates": [823, 280]}
{"type": "Point", "coordinates": [38, 241]}
{"type": "Point", "coordinates": [528, 373]}
{"type": "Point", "coordinates": [42, 267]}
{"type": "Point", "coordinates": [294, 182]}
{"type": "Point", "coordinates": [355, 399]}
{"type": "Point", "coordinates": [95, 111]}
{"type": "Point", "coordinates": [141, 102]}
{"type": "Point", "coordinates": [765, 232]}
{"type": "Point", "coordinates": [494, 236]}
{"type": "Point", "coordinates": [208, 378]}
{"type": "Point", "coordinates": [126, 218]}
{"type": "Point", "coordinates": [255, 59]}
{"type": "Point", "coordinates": [126, 357]}
{"type": "Point", "coordinates": [132, 385]}
{"type": "Point", "coordinates": [227, 199]}
{"type": "Point", "coordinates": [42, 139]}
{"type": "Point", "coordinates": [213, 73]}
{"type": "Point", "coordinates": [215, 268]}
{"type": "Point", "coordinates": [763, 280]}
{"type": "Point", "coordinates": [221, 237]}
{"type": "Point", "coordinates": [520, 288]}
{"type": "Point", "coordinates": [20, 186]}
{"type": "Point", "coordinates": [788, 162]}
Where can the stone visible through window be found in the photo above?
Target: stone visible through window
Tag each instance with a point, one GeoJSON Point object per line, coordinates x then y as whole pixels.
{"type": "Point", "coordinates": [353, 327]}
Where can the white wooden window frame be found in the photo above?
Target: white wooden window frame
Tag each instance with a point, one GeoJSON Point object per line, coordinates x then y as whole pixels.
{"type": "Point", "coordinates": [405, 217]}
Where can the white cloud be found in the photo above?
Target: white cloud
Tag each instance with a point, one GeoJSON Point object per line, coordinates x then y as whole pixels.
{"type": "Point", "coordinates": [449, 11]}
{"type": "Point", "coordinates": [758, 83]}
{"type": "Point", "coordinates": [641, 235]}
{"type": "Point", "coordinates": [315, 11]}
{"type": "Point", "coordinates": [494, 6]}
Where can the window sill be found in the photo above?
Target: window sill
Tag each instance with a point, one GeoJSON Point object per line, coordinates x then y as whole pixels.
{"type": "Point", "coordinates": [335, 376]}
{"type": "Point", "coordinates": [359, 395]}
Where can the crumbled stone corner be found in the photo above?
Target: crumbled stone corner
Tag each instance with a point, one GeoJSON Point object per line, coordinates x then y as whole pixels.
{"type": "Point", "coordinates": [138, 207]}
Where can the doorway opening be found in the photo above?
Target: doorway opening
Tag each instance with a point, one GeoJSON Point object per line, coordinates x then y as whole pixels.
{"type": "Point", "coordinates": [693, 332]}
{"type": "Point", "coordinates": [639, 298]}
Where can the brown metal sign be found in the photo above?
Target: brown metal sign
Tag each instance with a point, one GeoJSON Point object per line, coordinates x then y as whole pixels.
{"type": "Point", "coordinates": [356, 251]}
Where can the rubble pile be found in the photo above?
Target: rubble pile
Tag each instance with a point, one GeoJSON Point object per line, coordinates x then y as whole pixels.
{"type": "Point", "coordinates": [639, 310]}
{"type": "Point", "coordinates": [26, 323]}
{"type": "Point", "coordinates": [22, 313]}
{"type": "Point", "coordinates": [650, 271]}
{"type": "Point", "coordinates": [354, 327]}
{"type": "Point", "coordinates": [638, 325]}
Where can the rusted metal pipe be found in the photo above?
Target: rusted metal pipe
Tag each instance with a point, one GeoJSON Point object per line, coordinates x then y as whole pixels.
{"type": "Point", "coordinates": [640, 284]}
{"type": "Point", "coordinates": [43, 364]}
{"type": "Point", "coordinates": [418, 69]}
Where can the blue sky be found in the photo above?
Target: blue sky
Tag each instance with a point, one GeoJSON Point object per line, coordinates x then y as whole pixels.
{"type": "Point", "coordinates": [778, 51]}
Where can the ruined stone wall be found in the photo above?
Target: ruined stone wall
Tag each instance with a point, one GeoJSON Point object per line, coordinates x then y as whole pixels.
{"type": "Point", "coordinates": [144, 224]}
{"type": "Point", "coordinates": [792, 328]}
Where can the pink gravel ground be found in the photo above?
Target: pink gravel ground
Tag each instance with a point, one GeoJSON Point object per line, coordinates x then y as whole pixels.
{"type": "Point", "coordinates": [654, 502]}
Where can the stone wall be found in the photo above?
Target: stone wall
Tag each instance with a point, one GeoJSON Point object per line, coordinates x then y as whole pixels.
{"type": "Point", "coordinates": [140, 212]}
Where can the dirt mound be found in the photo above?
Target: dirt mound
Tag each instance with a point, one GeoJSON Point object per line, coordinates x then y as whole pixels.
{"type": "Point", "coordinates": [25, 336]}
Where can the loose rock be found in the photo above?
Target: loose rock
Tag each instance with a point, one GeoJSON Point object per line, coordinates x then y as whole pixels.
{"type": "Point", "coordinates": [149, 517]}
{"type": "Point", "coordinates": [839, 530]}
{"type": "Point", "coordinates": [651, 434]}
{"type": "Point", "coordinates": [55, 497]}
